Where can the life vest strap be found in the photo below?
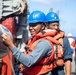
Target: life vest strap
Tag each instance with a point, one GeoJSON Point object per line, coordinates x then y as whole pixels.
{"type": "Point", "coordinates": [27, 49]}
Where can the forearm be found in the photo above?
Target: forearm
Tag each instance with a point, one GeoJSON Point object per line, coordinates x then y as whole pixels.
{"type": "Point", "coordinates": [20, 56]}
{"type": "Point", "coordinates": [68, 67]}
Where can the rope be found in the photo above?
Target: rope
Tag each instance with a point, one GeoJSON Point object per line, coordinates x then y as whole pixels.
{"type": "Point", "coordinates": [10, 62]}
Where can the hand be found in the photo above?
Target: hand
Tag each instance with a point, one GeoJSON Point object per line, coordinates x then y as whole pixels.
{"type": "Point", "coordinates": [7, 40]}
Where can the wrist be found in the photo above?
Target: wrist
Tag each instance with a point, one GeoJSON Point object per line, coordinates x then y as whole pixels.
{"type": "Point", "coordinates": [11, 46]}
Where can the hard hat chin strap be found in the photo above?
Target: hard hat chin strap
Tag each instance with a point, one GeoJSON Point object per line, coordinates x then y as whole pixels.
{"type": "Point", "coordinates": [42, 27]}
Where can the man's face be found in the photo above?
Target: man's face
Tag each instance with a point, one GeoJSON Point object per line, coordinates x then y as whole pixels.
{"type": "Point", "coordinates": [54, 26]}
{"type": "Point", "coordinates": [34, 28]}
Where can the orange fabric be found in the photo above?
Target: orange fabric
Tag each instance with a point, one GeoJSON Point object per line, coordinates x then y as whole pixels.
{"type": "Point", "coordinates": [73, 44]}
{"type": "Point", "coordinates": [59, 35]}
{"type": "Point", "coordinates": [59, 56]}
{"type": "Point", "coordinates": [37, 70]}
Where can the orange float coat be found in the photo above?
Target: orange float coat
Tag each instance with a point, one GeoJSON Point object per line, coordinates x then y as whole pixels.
{"type": "Point", "coordinates": [45, 64]}
{"type": "Point", "coordinates": [58, 50]}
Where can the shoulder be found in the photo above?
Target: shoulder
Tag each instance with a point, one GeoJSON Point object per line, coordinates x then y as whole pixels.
{"type": "Point", "coordinates": [43, 47]}
{"type": "Point", "coordinates": [66, 44]}
{"type": "Point", "coordinates": [44, 44]}
{"type": "Point", "coordinates": [65, 41]}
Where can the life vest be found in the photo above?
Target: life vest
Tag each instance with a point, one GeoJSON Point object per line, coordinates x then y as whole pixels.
{"type": "Point", "coordinates": [45, 64]}
{"type": "Point", "coordinates": [58, 50]}
{"type": "Point", "coordinates": [72, 44]}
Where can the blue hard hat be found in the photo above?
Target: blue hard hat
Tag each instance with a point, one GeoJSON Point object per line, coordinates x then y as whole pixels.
{"type": "Point", "coordinates": [52, 17]}
{"type": "Point", "coordinates": [36, 16]}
